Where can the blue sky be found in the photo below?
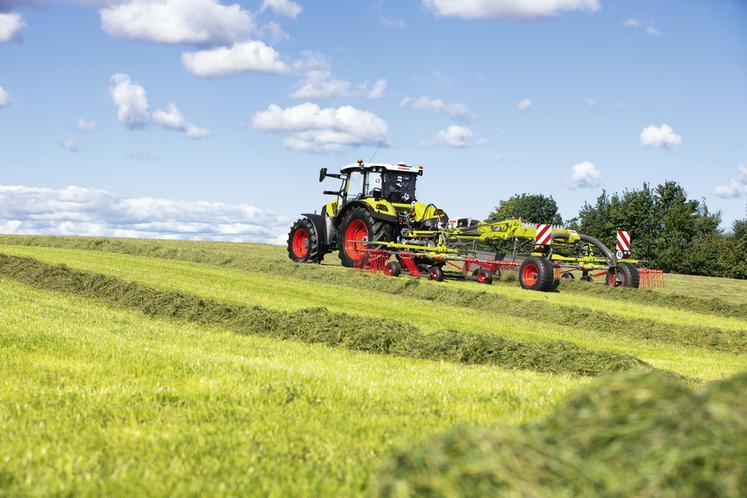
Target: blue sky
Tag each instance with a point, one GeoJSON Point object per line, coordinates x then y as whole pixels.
{"type": "Point", "coordinates": [494, 97]}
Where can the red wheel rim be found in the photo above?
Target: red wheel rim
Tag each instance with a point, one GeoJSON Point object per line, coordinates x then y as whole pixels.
{"type": "Point", "coordinates": [617, 279]}
{"type": "Point", "coordinates": [356, 230]}
{"type": "Point", "coordinates": [530, 274]}
{"type": "Point", "coordinates": [433, 275]}
{"type": "Point", "coordinates": [481, 277]}
{"type": "Point", "coordinates": [388, 270]}
{"type": "Point", "coordinates": [300, 243]}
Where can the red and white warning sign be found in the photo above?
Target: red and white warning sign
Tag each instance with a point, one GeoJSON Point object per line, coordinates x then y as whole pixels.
{"type": "Point", "coordinates": [543, 237]}
{"type": "Point", "coordinates": [623, 241]}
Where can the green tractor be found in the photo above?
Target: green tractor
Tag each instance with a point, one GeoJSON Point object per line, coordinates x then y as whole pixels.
{"type": "Point", "coordinates": [375, 202]}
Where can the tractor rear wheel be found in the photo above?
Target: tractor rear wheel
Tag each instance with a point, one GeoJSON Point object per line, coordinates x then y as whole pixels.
{"type": "Point", "coordinates": [304, 245]}
{"type": "Point", "coordinates": [536, 274]}
{"type": "Point", "coordinates": [358, 227]}
{"type": "Point", "coordinates": [626, 275]}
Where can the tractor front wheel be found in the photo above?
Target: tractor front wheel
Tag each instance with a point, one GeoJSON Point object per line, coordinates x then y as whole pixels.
{"type": "Point", "coordinates": [357, 229]}
{"type": "Point", "coordinates": [536, 274]}
{"type": "Point", "coordinates": [304, 245]}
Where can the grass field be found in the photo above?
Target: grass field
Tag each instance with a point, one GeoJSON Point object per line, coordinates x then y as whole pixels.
{"type": "Point", "coordinates": [102, 397]}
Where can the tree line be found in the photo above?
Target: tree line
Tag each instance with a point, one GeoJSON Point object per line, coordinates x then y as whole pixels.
{"type": "Point", "coordinates": [669, 231]}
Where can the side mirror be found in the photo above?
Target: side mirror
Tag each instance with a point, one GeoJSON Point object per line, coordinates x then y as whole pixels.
{"type": "Point", "coordinates": [322, 174]}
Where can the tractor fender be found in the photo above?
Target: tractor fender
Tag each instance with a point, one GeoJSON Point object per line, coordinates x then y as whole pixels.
{"type": "Point", "coordinates": [378, 216]}
{"type": "Point", "coordinates": [593, 241]}
{"type": "Point", "coordinates": [320, 225]}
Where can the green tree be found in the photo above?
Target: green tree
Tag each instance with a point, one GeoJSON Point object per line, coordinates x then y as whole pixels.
{"type": "Point", "coordinates": [532, 208]}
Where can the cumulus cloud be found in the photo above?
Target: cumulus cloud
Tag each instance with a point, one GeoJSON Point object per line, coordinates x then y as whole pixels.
{"type": "Point", "coordinates": [132, 109]}
{"type": "Point", "coordinates": [131, 101]}
{"type": "Point", "coordinates": [524, 104]}
{"type": "Point", "coordinates": [734, 188]}
{"type": "Point", "coordinates": [455, 136]}
{"type": "Point", "coordinates": [632, 23]}
{"type": "Point", "coordinates": [238, 58]}
{"type": "Point", "coordinates": [177, 21]}
{"type": "Point", "coordinates": [11, 25]}
{"type": "Point", "coordinates": [282, 7]}
{"type": "Point", "coordinates": [319, 84]}
{"type": "Point", "coordinates": [4, 97]}
{"type": "Point", "coordinates": [70, 144]}
{"type": "Point", "coordinates": [83, 124]}
{"type": "Point", "coordinates": [532, 9]}
{"type": "Point", "coordinates": [82, 211]}
{"type": "Point", "coordinates": [663, 137]}
{"type": "Point", "coordinates": [584, 175]}
{"type": "Point", "coordinates": [274, 32]}
{"type": "Point", "coordinates": [426, 103]}
{"type": "Point", "coordinates": [315, 129]}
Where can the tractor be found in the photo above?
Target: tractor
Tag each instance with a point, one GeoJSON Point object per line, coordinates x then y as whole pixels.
{"type": "Point", "coordinates": [375, 202]}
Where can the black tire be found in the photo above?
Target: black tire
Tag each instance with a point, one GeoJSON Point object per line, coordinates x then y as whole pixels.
{"type": "Point", "coordinates": [350, 253]}
{"type": "Point", "coordinates": [393, 269]}
{"type": "Point", "coordinates": [626, 275]}
{"type": "Point", "coordinates": [537, 274]}
{"type": "Point", "coordinates": [436, 273]}
{"type": "Point", "coordinates": [483, 276]}
{"type": "Point", "coordinates": [586, 278]}
{"type": "Point", "coordinates": [568, 276]}
{"type": "Point", "coordinates": [304, 245]}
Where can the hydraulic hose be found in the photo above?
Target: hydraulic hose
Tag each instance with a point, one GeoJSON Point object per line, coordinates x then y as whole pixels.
{"type": "Point", "coordinates": [593, 241]}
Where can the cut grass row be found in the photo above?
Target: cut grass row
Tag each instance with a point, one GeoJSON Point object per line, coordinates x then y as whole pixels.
{"type": "Point", "coordinates": [319, 326]}
{"type": "Point", "coordinates": [102, 401]}
{"type": "Point", "coordinates": [239, 287]}
{"type": "Point", "coordinates": [724, 294]}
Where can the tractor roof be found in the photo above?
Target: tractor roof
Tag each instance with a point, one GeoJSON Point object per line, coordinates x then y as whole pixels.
{"type": "Point", "coordinates": [387, 166]}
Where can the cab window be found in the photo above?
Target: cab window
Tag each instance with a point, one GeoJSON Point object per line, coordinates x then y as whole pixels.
{"type": "Point", "coordinates": [355, 185]}
{"type": "Point", "coordinates": [374, 183]}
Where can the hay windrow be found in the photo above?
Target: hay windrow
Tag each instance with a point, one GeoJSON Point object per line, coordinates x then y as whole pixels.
{"type": "Point", "coordinates": [319, 326]}
{"type": "Point", "coordinates": [605, 324]}
{"type": "Point", "coordinates": [631, 434]}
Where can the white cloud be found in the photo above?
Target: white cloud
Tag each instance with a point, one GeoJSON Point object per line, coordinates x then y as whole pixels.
{"type": "Point", "coordinates": [314, 129]}
{"type": "Point", "coordinates": [239, 58]}
{"type": "Point", "coordinates": [584, 175]}
{"type": "Point", "coordinates": [735, 188]}
{"type": "Point", "coordinates": [86, 124]}
{"type": "Point", "coordinates": [11, 25]}
{"type": "Point", "coordinates": [274, 32]}
{"type": "Point", "coordinates": [632, 23]}
{"type": "Point", "coordinates": [438, 105]}
{"type": "Point", "coordinates": [455, 136]}
{"type": "Point", "coordinates": [532, 9]}
{"type": "Point", "coordinates": [377, 89]}
{"type": "Point", "coordinates": [131, 101]}
{"type": "Point", "coordinates": [651, 30]}
{"type": "Point", "coordinates": [82, 211]}
{"type": "Point", "coordinates": [524, 104]}
{"type": "Point", "coordinates": [172, 119]}
{"type": "Point", "coordinates": [282, 7]}
{"type": "Point", "coordinates": [320, 85]}
{"type": "Point", "coordinates": [177, 21]}
{"type": "Point", "coordinates": [663, 137]}
{"type": "Point", "coordinates": [4, 97]}
{"type": "Point", "coordinates": [132, 109]}
{"type": "Point", "coordinates": [393, 23]}
{"type": "Point", "coordinates": [70, 144]}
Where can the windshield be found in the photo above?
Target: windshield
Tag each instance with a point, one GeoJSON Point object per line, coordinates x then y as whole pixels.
{"type": "Point", "coordinates": [355, 184]}
{"type": "Point", "coordinates": [399, 187]}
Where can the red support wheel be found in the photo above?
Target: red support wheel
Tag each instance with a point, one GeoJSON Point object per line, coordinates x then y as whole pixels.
{"type": "Point", "coordinates": [537, 274]}
{"type": "Point", "coordinates": [483, 276]}
{"type": "Point", "coordinates": [393, 269]}
{"type": "Point", "coordinates": [436, 273]}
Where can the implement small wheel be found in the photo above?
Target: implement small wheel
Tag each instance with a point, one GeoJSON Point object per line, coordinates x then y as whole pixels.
{"type": "Point", "coordinates": [393, 269]}
{"type": "Point", "coordinates": [483, 276]}
{"type": "Point", "coordinates": [436, 273]}
{"type": "Point", "coordinates": [536, 274]}
{"type": "Point", "coordinates": [625, 275]}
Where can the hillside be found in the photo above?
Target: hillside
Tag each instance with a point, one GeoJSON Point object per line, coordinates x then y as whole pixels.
{"type": "Point", "coordinates": [157, 368]}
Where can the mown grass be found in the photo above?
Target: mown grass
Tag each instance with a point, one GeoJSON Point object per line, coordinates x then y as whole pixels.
{"type": "Point", "coordinates": [723, 297]}
{"type": "Point", "coordinates": [319, 326]}
{"type": "Point", "coordinates": [240, 287]}
{"type": "Point", "coordinates": [99, 401]}
{"type": "Point", "coordinates": [636, 434]}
